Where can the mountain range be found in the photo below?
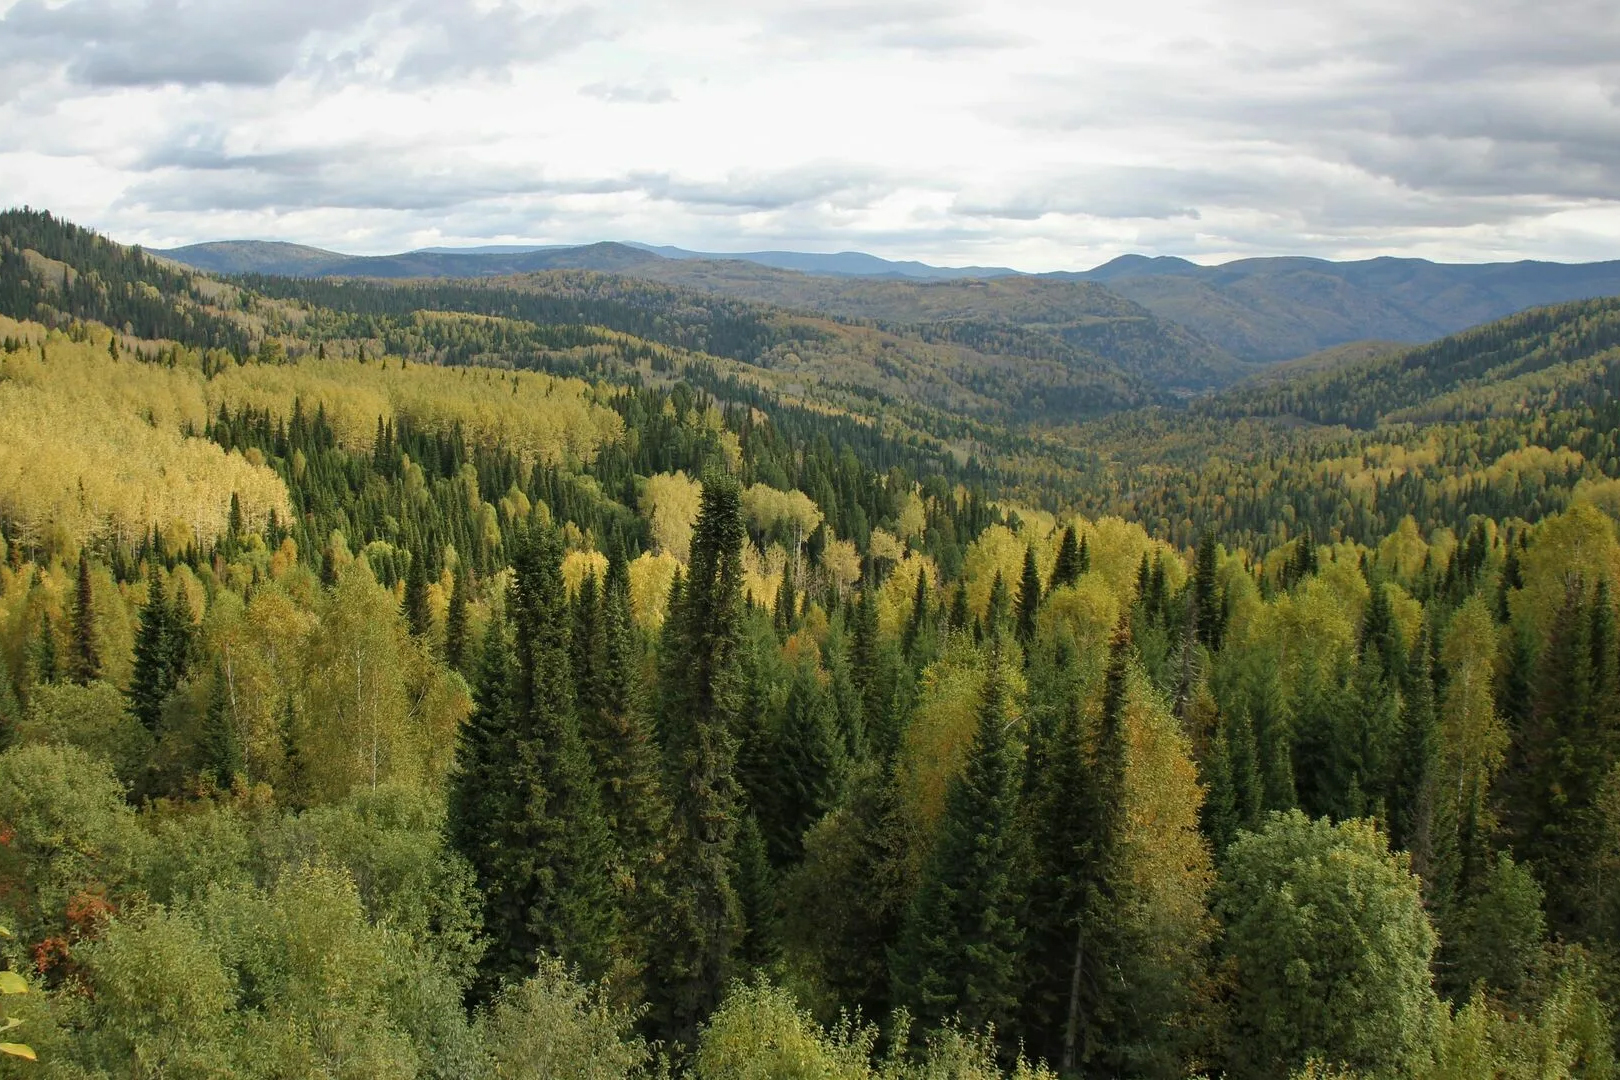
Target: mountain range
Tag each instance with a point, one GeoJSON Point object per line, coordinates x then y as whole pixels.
{"type": "Point", "coordinates": [1236, 314]}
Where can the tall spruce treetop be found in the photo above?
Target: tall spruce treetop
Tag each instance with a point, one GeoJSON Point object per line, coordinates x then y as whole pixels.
{"type": "Point", "coordinates": [1206, 599]}
{"type": "Point", "coordinates": [702, 695]}
{"type": "Point", "coordinates": [417, 615]}
{"type": "Point", "coordinates": [1029, 600]}
{"type": "Point", "coordinates": [84, 662]}
{"type": "Point", "coordinates": [958, 954]}
{"type": "Point", "coordinates": [455, 625]}
{"type": "Point", "coordinates": [151, 681]}
{"type": "Point", "coordinates": [1067, 569]}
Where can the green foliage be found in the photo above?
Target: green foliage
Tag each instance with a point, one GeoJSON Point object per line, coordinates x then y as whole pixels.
{"type": "Point", "coordinates": [958, 954]}
{"type": "Point", "coordinates": [1329, 948]}
{"type": "Point", "coordinates": [551, 1027]}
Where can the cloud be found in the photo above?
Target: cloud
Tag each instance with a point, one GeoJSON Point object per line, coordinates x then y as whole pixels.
{"type": "Point", "coordinates": [1036, 133]}
{"type": "Point", "coordinates": [109, 44]}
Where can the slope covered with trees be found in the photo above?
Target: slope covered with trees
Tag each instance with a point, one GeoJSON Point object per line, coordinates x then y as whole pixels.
{"type": "Point", "coordinates": [521, 721]}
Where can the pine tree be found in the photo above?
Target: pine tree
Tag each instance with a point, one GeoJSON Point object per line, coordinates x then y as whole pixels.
{"type": "Point", "coordinates": [220, 747]}
{"type": "Point", "coordinates": [958, 955]}
{"type": "Point", "coordinates": [1067, 569]}
{"type": "Point", "coordinates": [524, 806]}
{"type": "Point", "coordinates": [455, 626]}
{"type": "Point", "coordinates": [1205, 596]}
{"type": "Point", "coordinates": [917, 624]}
{"type": "Point", "coordinates": [958, 620]}
{"type": "Point", "coordinates": [701, 926]}
{"type": "Point", "coordinates": [787, 599]}
{"type": "Point", "coordinates": [810, 765]}
{"type": "Point", "coordinates": [1029, 602]}
{"type": "Point", "coordinates": [152, 679]}
{"type": "Point", "coordinates": [756, 885]}
{"type": "Point", "coordinates": [43, 664]}
{"type": "Point", "coordinates": [999, 609]}
{"type": "Point", "coordinates": [84, 658]}
{"type": "Point", "coordinates": [417, 615]}
{"type": "Point", "coordinates": [1412, 804]}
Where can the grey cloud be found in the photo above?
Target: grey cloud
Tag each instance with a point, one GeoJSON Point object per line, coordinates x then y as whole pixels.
{"type": "Point", "coordinates": [258, 43]}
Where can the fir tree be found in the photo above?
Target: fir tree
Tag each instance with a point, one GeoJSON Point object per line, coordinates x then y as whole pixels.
{"type": "Point", "coordinates": [1029, 602]}
{"type": "Point", "coordinates": [524, 804]}
{"type": "Point", "coordinates": [153, 677]}
{"type": "Point", "coordinates": [917, 624]}
{"type": "Point", "coordinates": [1206, 601]}
{"type": "Point", "coordinates": [958, 620]}
{"type": "Point", "coordinates": [701, 924]}
{"type": "Point", "coordinates": [958, 955]}
{"type": "Point", "coordinates": [42, 651]}
{"type": "Point", "coordinates": [417, 615]}
{"type": "Point", "coordinates": [455, 626]}
{"type": "Point", "coordinates": [84, 657]}
{"type": "Point", "coordinates": [810, 765]}
{"type": "Point", "coordinates": [756, 885]}
{"type": "Point", "coordinates": [1412, 804]}
{"type": "Point", "coordinates": [1067, 570]}
{"type": "Point", "coordinates": [220, 747]}
{"type": "Point", "coordinates": [999, 608]}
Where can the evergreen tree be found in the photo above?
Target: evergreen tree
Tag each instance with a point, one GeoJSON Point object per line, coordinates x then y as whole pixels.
{"type": "Point", "coordinates": [1029, 601]}
{"type": "Point", "coordinates": [152, 679]}
{"type": "Point", "coordinates": [455, 626]}
{"type": "Point", "coordinates": [958, 955]}
{"type": "Point", "coordinates": [543, 851]}
{"type": "Point", "coordinates": [417, 615]}
{"type": "Point", "coordinates": [84, 657]}
{"type": "Point", "coordinates": [701, 926]}
{"type": "Point", "coordinates": [42, 660]}
{"type": "Point", "coordinates": [220, 747]}
{"type": "Point", "coordinates": [787, 599]}
{"type": "Point", "coordinates": [999, 608]}
{"type": "Point", "coordinates": [1206, 600]}
{"type": "Point", "coordinates": [810, 765]}
{"type": "Point", "coordinates": [917, 624]}
{"type": "Point", "coordinates": [1231, 773]}
{"type": "Point", "coordinates": [756, 885]}
{"type": "Point", "coordinates": [1067, 569]}
{"type": "Point", "coordinates": [958, 620]}
{"type": "Point", "coordinates": [1412, 803]}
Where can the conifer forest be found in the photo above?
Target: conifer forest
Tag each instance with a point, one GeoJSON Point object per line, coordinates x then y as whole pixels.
{"type": "Point", "coordinates": [579, 674]}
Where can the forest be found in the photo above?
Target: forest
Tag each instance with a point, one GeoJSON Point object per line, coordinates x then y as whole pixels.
{"type": "Point", "coordinates": [558, 698]}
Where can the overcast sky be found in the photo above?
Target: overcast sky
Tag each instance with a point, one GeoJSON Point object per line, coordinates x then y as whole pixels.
{"type": "Point", "coordinates": [1031, 134]}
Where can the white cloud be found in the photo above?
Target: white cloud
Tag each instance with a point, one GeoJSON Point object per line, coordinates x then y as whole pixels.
{"type": "Point", "coordinates": [1041, 134]}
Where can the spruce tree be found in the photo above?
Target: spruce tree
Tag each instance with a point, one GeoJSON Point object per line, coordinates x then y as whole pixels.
{"type": "Point", "coordinates": [999, 608]}
{"type": "Point", "coordinates": [958, 620]}
{"type": "Point", "coordinates": [1411, 810]}
{"type": "Point", "coordinates": [84, 657]}
{"type": "Point", "coordinates": [917, 624]}
{"type": "Point", "coordinates": [417, 615]}
{"type": "Point", "coordinates": [1206, 599]}
{"type": "Point", "coordinates": [221, 750]}
{"type": "Point", "coordinates": [455, 626]}
{"type": "Point", "coordinates": [152, 679]}
{"type": "Point", "coordinates": [524, 805]}
{"type": "Point", "coordinates": [958, 955]}
{"type": "Point", "coordinates": [1029, 602]}
{"type": "Point", "coordinates": [810, 765]}
{"type": "Point", "coordinates": [1067, 570]}
{"type": "Point", "coordinates": [701, 926]}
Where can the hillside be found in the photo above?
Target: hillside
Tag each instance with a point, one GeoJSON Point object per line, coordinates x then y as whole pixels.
{"type": "Point", "coordinates": [1275, 309]}
{"type": "Point", "coordinates": [474, 678]}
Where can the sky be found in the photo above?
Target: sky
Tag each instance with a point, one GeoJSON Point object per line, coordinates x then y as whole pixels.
{"type": "Point", "coordinates": [1042, 136]}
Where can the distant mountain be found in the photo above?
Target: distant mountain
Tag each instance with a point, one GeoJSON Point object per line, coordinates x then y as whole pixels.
{"type": "Point", "coordinates": [1276, 309]}
{"type": "Point", "coordinates": [842, 264]}
{"type": "Point", "coordinates": [493, 260]}
{"type": "Point", "coordinates": [256, 257]}
{"type": "Point", "coordinates": [292, 260]}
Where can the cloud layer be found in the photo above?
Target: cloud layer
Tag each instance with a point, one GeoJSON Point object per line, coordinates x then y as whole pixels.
{"type": "Point", "coordinates": [1035, 134]}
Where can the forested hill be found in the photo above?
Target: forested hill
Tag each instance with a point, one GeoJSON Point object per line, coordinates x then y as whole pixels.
{"type": "Point", "coordinates": [1279, 308]}
{"type": "Point", "coordinates": [475, 680]}
{"type": "Point", "coordinates": [1538, 359]}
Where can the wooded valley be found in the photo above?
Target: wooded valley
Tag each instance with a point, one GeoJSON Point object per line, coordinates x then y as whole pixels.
{"type": "Point", "coordinates": [575, 674]}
